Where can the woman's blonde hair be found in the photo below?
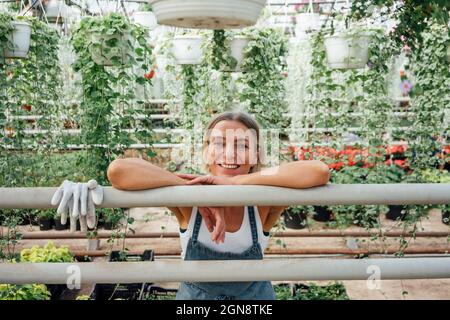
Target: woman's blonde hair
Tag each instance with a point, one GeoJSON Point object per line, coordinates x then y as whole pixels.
{"type": "Point", "coordinates": [247, 120]}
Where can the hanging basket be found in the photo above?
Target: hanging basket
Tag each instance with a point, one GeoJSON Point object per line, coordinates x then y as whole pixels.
{"type": "Point", "coordinates": [207, 14]}
{"type": "Point", "coordinates": [146, 19]}
{"type": "Point", "coordinates": [20, 40]}
{"type": "Point", "coordinates": [56, 10]}
{"type": "Point", "coordinates": [105, 49]}
{"type": "Point", "coordinates": [187, 49]}
{"type": "Point", "coordinates": [307, 22]}
{"type": "Point", "coordinates": [347, 51]}
{"type": "Point", "coordinates": [237, 46]}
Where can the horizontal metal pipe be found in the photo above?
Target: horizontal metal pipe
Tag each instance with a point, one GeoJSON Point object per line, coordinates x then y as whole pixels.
{"type": "Point", "coordinates": [237, 195]}
{"type": "Point", "coordinates": [42, 235]}
{"type": "Point", "coordinates": [201, 271]}
{"type": "Point", "coordinates": [293, 251]}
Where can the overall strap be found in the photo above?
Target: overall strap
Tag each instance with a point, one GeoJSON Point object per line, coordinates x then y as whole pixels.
{"type": "Point", "coordinates": [254, 229]}
{"type": "Point", "coordinates": [198, 222]}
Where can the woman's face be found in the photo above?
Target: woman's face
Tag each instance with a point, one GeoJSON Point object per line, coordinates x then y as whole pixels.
{"type": "Point", "coordinates": [232, 149]}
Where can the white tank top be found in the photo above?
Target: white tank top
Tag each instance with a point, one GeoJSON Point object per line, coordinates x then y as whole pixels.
{"type": "Point", "coordinates": [235, 242]}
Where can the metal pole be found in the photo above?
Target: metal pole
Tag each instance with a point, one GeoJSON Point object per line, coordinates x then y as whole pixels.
{"type": "Point", "coordinates": [288, 252]}
{"type": "Point", "coordinates": [201, 271]}
{"type": "Point", "coordinates": [43, 235]}
{"type": "Point", "coordinates": [231, 195]}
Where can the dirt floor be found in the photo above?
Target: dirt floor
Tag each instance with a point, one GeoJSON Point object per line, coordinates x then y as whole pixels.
{"type": "Point", "coordinates": [160, 220]}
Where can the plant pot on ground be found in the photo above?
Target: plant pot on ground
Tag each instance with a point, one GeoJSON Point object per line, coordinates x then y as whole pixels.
{"type": "Point", "coordinates": [446, 216]}
{"type": "Point", "coordinates": [46, 220]}
{"type": "Point", "coordinates": [296, 217]}
{"type": "Point", "coordinates": [93, 241]}
{"type": "Point", "coordinates": [396, 212]}
{"type": "Point", "coordinates": [322, 214]}
{"type": "Point", "coordinates": [129, 291]}
{"type": "Point", "coordinates": [58, 225]}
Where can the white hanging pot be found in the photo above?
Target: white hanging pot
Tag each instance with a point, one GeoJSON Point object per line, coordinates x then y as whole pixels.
{"type": "Point", "coordinates": [207, 14]}
{"type": "Point", "coordinates": [20, 40]}
{"type": "Point", "coordinates": [187, 49]}
{"type": "Point", "coordinates": [347, 51]}
{"type": "Point", "coordinates": [158, 87]}
{"type": "Point", "coordinates": [55, 9]}
{"type": "Point", "coordinates": [146, 19]}
{"type": "Point", "coordinates": [237, 46]}
{"type": "Point", "coordinates": [307, 22]}
{"type": "Point", "coordinates": [103, 55]}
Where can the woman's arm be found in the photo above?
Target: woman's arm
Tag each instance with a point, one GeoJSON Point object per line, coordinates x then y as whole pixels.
{"type": "Point", "coordinates": [138, 174]}
{"type": "Point", "coordinates": [296, 174]}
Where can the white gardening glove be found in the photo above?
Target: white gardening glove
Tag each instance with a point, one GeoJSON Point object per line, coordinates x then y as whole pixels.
{"type": "Point", "coordinates": [75, 198]}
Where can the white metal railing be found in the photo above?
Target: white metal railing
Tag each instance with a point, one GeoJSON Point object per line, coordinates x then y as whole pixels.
{"type": "Point", "coordinates": [227, 195]}
{"type": "Point", "coordinates": [254, 270]}
{"type": "Point", "coordinates": [236, 195]}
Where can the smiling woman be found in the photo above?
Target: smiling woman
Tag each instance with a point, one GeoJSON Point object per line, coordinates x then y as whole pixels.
{"type": "Point", "coordinates": [233, 154]}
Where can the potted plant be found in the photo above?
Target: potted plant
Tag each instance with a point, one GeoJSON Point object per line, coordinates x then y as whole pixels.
{"type": "Point", "coordinates": [237, 48]}
{"type": "Point", "coordinates": [322, 213]}
{"type": "Point", "coordinates": [15, 37]}
{"type": "Point", "coordinates": [187, 49]}
{"type": "Point", "coordinates": [58, 225]}
{"type": "Point", "coordinates": [226, 51]}
{"type": "Point", "coordinates": [295, 217]}
{"type": "Point", "coordinates": [391, 171]}
{"type": "Point", "coordinates": [112, 218]}
{"type": "Point", "coordinates": [93, 240]}
{"type": "Point", "coordinates": [24, 292]}
{"type": "Point", "coordinates": [306, 20]}
{"type": "Point", "coordinates": [205, 14]}
{"type": "Point", "coordinates": [109, 39]}
{"type": "Point", "coordinates": [438, 176]}
{"type": "Point", "coordinates": [56, 11]}
{"type": "Point", "coordinates": [129, 291]}
{"type": "Point", "coordinates": [145, 17]}
{"type": "Point", "coordinates": [45, 220]}
{"type": "Point", "coordinates": [48, 253]}
{"type": "Point", "coordinates": [348, 49]}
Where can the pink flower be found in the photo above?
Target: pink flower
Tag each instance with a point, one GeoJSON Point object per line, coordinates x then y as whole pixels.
{"type": "Point", "coordinates": [406, 86]}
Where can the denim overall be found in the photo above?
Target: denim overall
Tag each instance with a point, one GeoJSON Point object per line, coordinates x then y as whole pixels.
{"type": "Point", "coordinates": [251, 290]}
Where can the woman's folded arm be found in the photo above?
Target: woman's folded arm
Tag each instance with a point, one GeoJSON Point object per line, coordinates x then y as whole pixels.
{"type": "Point", "coordinates": [138, 174]}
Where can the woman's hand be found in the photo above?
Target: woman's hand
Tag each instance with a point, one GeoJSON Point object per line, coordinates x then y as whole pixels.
{"type": "Point", "coordinates": [214, 216]}
{"type": "Point", "coordinates": [207, 179]}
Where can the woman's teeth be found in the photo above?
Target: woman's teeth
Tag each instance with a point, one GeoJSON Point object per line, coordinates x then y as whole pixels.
{"type": "Point", "coordinates": [229, 166]}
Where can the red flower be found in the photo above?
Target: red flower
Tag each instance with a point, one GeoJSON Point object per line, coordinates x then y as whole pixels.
{"type": "Point", "coordinates": [26, 107]}
{"type": "Point", "coordinates": [336, 166]}
{"type": "Point", "coordinates": [150, 75]}
{"type": "Point", "coordinates": [400, 163]}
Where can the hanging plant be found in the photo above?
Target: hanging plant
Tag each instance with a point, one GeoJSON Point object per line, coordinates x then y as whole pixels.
{"type": "Point", "coordinates": [14, 37]}
{"type": "Point", "coordinates": [263, 83]}
{"type": "Point", "coordinates": [187, 49]}
{"type": "Point", "coordinates": [412, 17]}
{"type": "Point", "coordinates": [107, 102]}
